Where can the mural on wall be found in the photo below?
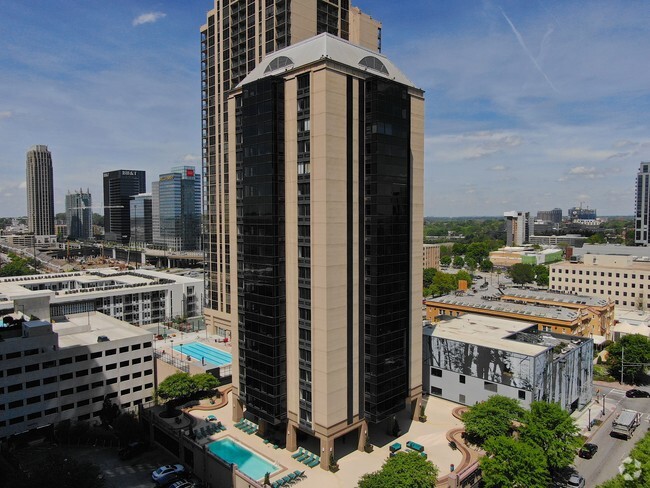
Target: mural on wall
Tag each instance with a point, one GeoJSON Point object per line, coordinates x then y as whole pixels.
{"type": "Point", "coordinates": [489, 364]}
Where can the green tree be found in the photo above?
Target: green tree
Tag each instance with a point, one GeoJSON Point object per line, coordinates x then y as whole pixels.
{"type": "Point", "coordinates": [522, 273]}
{"type": "Point", "coordinates": [510, 463]}
{"type": "Point", "coordinates": [478, 251]}
{"type": "Point", "coordinates": [16, 266]}
{"type": "Point", "coordinates": [458, 249]}
{"type": "Point", "coordinates": [597, 238]}
{"type": "Point", "coordinates": [61, 471]}
{"type": "Point", "coordinates": [404, 470]}
{"type": "Point", "coordinates": [445, 260]}
{"type": "Point", "coordinates": [205, 382]}
{"type": "Point", "coordinates": [486, 266]}
{"type": "Point", "coordinates": [427, 276]}
{"type": "Point", "coordinates": [633, 350]}
{"type": "Point", "coordinates": [463, 275]}
{"type": "Point", "coordinates": [443, 283]}
{"type": "Point", "coordinates": [178, 386]}
{"type": "Point", "coordinates": [541, 275]}
{"type": "Point", "coordinates": [445, 251]}
{"type": "Point", "coordinates": [551, 428]}
{"type": "Point", "coordinates": [459, 262]}
{"type": "Point", "coordinates": [471, 263]}
{"type": "Point", "coordinates": [492, 418]}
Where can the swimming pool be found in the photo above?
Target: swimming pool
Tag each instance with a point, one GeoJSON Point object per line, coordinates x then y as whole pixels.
{"type": "Point", "coordinates": [198, 350]}
{"type": "Point", "coordinates": [247, 461]}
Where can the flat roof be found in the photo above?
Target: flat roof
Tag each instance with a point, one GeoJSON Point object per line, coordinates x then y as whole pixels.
{"type": "Point", "coordinates": [500, 333]}
{"type": "Point", "coordinates": [83, 329]}
{"type": "Point", "coordinates": [493, 303]}
{"type": "Point", "coordinates": [555, 297]}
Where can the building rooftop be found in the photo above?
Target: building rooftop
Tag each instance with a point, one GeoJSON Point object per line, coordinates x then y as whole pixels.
{"type": "Point", "coordinates": [91, 283]}
{"type": "Point", "coordinates": [555, 297]}
{"type": "Point", "coordinates": [503, 334]}
{"type": "Point", "coordinates": [492, 302]}
{"type": "Point", "coordinates": [326, 46]}
{"type": "Point", "coordinates": [83, 329]}
{"type": "Point", "coordinates": [636, 251]}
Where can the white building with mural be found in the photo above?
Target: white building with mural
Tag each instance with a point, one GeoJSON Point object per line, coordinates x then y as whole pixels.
{"type": "Point", "coordinates": [469, 358]}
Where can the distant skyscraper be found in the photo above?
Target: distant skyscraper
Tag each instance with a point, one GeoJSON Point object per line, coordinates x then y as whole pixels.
{"type": "Point", "coordinates": [554, 216]}
{"type": "Point", "coordinates": [119, 187]}
{"type": "Point", "coordinates": [519, 228]}
{"type": "Point", "coordinates": [79, 215]}
{"type": "Point", "coordinates": [581, 213]}
{"type": "Point", "coordinates": [40, 191]}
{"type": "Point", "coordinates": [176, 209]}
{"type": "Point", "coordinates": [642, 214]}
{"type": "Point", "coordinates": [236, 36]}
{"type": "Point", "coordinates": [141, 219]}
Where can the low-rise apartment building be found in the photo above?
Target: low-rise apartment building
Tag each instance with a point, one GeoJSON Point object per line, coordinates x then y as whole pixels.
{"type": "Point", "coordinates": [431, 255]}
{"type": "Point", "coordinates": [138, 297]}
{"type": "Point", "coordinates": [467, 359]}
{"type": "Point", "coordinates": [553, 312]}
{"type": "Point", "coordinates": [623, 279]}
{"type": "Point", "coordinates": [50, 372]}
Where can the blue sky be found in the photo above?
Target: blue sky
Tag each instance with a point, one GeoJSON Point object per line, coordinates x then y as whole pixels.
{"type": "Point", "coordinates": [530, 105]}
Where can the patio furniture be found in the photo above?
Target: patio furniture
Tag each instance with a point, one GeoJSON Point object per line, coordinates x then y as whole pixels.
{"type": "Point", "coordinates": [299, 474]}
{"type": "Point", "coordinates": [275, 446]}
{"type": "Point", "coordinates": [315, 462]}
{"type": "Point", "coordinates": [298, 454]}
{"type": "Point", "coordinates": [306, 457]}
{"type": "Point", "coordinates": [415, 446]}
{"type": "Point", "coordinates": [395, 447]}
{"type": "Point", "coordinates": [211, 418]}
{"type": "Point", "coordinates": [266, 441]}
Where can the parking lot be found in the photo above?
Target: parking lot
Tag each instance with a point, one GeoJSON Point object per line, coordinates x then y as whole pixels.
{"type": "Point", "coordinates": [134, 473]}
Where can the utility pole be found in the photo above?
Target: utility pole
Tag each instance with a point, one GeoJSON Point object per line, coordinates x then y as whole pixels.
{"type": "Point", "coordinates": [622, 362]}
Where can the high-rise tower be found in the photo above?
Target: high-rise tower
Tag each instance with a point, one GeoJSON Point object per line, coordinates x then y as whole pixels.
{"type": "Point", "coordinates": [235, 38]}
{"type": "Point", "coordinates": [40, 191]}
{"type": "Point", "coordinates": [519, 228]}
{"type": "Point", "coordinates": [326, 141]}
{"type": "Point", "coordinates": [176, 209]}
{"type": "Point", "coordinates": [642, 214]}
{"type": "Point", "coordinates": [79, 214]}
{"type": "Point", "coordinates": [119, 187]}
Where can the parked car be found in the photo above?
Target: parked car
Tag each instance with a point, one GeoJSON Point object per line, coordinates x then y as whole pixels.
{"type": "Point", "coordinates": [163, 472]}
{"type": "Point", "coordinates": [588, 450]}
{"type": "Point", "coordinates": [576, 481]}
{"type": "Point", "coordinates": [634, 393]}
{"type": "Point", "coordinates": [182, 484]}
{"type": "Point", "coordinates": [132, 450]}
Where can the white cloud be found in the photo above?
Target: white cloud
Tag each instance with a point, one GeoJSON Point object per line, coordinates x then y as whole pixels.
{"type": "Point", "coordinates": [148, 18]}
{"type": "Point", "coordinates": [5, 114]}
{"type": "Point", "coordinates": [22, 185]}
{"type": "Point", "coordinates": [191, 158]}
{"type": "Point", "coordinates": [585, 172]}
{"type": "Point", "coordinates": [498, 167]}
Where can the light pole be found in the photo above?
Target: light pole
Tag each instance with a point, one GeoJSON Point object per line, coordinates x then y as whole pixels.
{"type": "Point", "coordinates": [181, 351]}
{"type": "Point", "coordinates": [622, 362]}
{"type": "Point", "coordinates": [589, 426]}
{"type": "Point", "coordinates": [172, 346]}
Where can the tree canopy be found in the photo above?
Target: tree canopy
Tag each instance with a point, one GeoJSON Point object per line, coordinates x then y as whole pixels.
{"type": "Point", "coordinates": [427, 276]}
{"type": "Point", "coordinates": [17, 266]}
{"type": "Point", "coordinates": [510, 463]}
{"type": "Point", "coordinates": [633, 350]}
{"type": "Point", "coordinates": [551, 428]}
{"type": "Point", "coordinates": [404, 470]}
{"type": "Point", "coordinates": [629, 479]}
{"type": "Point", "coordinates": [182, 386]}
{"type": "Point", "coordinates": [492, 418]}
{"type": "Point", "coordinates": [522, 273]}
{"type": "Point", "coordinates": [486, 266]}
{"type": "Point", "coordinates": [458, 262]}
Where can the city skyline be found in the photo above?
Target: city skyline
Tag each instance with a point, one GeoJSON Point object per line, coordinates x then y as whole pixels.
{"type": "Point", "coordinates": [529, 106]}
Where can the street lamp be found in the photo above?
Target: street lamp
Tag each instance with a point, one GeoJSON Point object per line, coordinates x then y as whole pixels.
{"type": "Point", "coordinates": [172, 346]}
{"type": "Point", "coordinates": [589, 425]}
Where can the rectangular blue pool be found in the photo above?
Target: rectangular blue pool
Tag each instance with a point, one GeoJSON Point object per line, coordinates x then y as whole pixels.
{"type": "Point", "coordinates": [198, 350]}
{"type": "Point", "coordinates": [246, 460]}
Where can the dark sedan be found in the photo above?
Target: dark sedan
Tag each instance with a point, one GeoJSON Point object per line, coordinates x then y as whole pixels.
{"type": "Point", "coordinates": [634, 393]}
{"type": "Point", "coordinates": [588, 451]}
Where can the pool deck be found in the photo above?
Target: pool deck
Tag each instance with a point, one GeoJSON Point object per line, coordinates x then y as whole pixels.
{"type": "Point", "coordinates": [176, 338]}
{"type": "Point", "coordinates": [432, 435]}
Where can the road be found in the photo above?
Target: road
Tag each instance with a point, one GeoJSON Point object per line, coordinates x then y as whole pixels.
{"type": "Point", "coordinates": [612, 450]}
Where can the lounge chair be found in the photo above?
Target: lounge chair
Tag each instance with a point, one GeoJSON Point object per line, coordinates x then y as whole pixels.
{"type": "Point", "coordinates": [299, 474]}
{"type": "Point", "coordinates": [304, 456]}
{"type": "Point", "coordinates": [266, 441]}
{"type": "Point", "coordinates": [293, 476]}
{"type": "Point", "coordinates": [222, 427]}
{"type": "Point", "coordinates": [275, 446]}
{"type": "Point", "coordinates": [286, 480]}
{"type": "Point", "coordinates": [315, 462]}
{"type": "Point", "coordinates": [278, 483]}
{"type": "Point", "coordinates": [415, 446]}
{"type": "Point", "coordinates": [298, 454]}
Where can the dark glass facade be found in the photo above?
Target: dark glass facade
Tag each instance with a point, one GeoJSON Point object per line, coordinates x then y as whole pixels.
{"type": "Point", "coordinates": [119, 187]}
{"type": "Point", "coordinates": [261, 244]}
{"type": "Point", "coordinates": [387, 247]}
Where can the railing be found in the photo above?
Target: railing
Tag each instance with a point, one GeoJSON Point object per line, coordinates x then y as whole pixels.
{"type": "Point", "coordinates": [169, 359]}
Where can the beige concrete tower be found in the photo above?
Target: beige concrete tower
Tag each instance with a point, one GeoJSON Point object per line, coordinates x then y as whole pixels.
{"type": "Point", "coordinates": [235, 38]}
{"type": "Point", "coordinates": [325, 143]}
{"type": "Point", "coordinates": [40, 191]}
